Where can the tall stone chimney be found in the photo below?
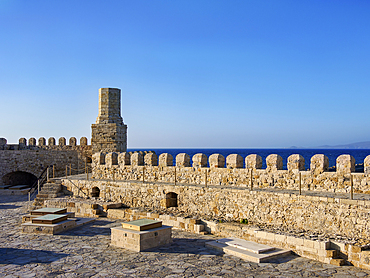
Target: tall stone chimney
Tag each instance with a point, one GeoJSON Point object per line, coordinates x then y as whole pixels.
{"type": "Point", "coordinates": [109, 133]}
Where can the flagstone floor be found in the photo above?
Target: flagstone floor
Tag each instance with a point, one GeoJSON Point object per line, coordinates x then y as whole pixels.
{"type": "Point", "coordinates": [86, 252]}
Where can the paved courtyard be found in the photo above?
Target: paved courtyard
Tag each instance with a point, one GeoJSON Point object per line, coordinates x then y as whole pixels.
{"type": "Point", "coordinates": [86, 252]}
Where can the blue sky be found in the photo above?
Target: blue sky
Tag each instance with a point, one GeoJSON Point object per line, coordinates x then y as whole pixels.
{"type": "Point", "coordinates": [193, 74]}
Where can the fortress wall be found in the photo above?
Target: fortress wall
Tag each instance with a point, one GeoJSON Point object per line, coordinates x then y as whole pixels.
{"type": "Point", "coordinates": [123, 166]}
{"type": "Point", "coordinates": [319, 215]}
{"type": "Point", "coordinates": [35, 161]}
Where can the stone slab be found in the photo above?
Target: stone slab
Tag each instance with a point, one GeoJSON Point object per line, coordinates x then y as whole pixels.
{"type": "Point", "coordinates": [52, 229]}
{"type": "Point", "coordinates": [49, 219]}
{"type": "Point", "coordinates": [246, 255]}
{"type": "Point", "coordinates": [29, 217]}
{"type": "Point", "coordinates": [45, 211]}
{"type": "Point", "coordinates": [246, 245]}
{"type": "Point", "coordinates": [142, 224]}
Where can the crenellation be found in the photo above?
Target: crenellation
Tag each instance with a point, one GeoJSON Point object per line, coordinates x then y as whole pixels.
{"type": "Point", "coordinates": [274, 162]}
{"type": "Point", "coordinates": [182, 160]}
{"type": "Point", "coordinates": [151, 159]}
{"type": "Point", "coordinates": [216, 160]}
{"type": "Point", "coordinates": [22, 143]}
{"type": "Point", "coordinates": [51, 141]}
{"type": "Point", "coordinates": [319, 164]}
{"type": "Point", "coordinates": [367, 165]}
{"type": "Point", "coordinates": [165, 159]}
{"type": "Point", "coordinates": [111, 159]}
{"type": "Point", "coordinates": [137, 159]}
{"type": "Point", "coordinates": [124, 159]}
{"type": "Point", "coordinates": [72, 141]}
{"type": "Point", "coordinates": [199, 160]}
{"type": "Point", "coordinates": [296, 162]}
{"type": "Point", "coordinates": [234, 161]}
{"type": "Point", "coordinates": [32, 142]}
{"type": "Point", "coordinates": [83, 141]}
{"type": "Point", "coordinates": [62, 141]}
{"type": "Point", "coordinates": [253, 161]}
{"type": "Point", "coordinates": [42, 141]}
{"type": "Point", "coordinates": [345, 164]}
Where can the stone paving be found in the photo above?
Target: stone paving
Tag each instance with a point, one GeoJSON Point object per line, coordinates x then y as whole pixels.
{"type": "Point", "coordinates": [86, 252]}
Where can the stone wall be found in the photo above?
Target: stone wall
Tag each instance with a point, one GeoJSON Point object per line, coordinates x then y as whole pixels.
{"type": "Point", "coordinates": [34, 158]}
{"type": "Point", "coordinates": [321, 215]}
{"type": "Point", "coordinates": [126, 166]}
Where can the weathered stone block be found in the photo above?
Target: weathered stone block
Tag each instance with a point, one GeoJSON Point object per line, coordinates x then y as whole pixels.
{"type": "Point", "coordinates": [111, 159]}
{"type": "Point", "coordinates": [42, 141]}
{"type": "Point", "coordinates": [345, 164]}
{"type": "Point", "coordinates": [62, 141]}
{"type": "Point", "coordinates": [22, 142]}
{"type": "Point", "coordinates": [98, 158]}
{"type": "Point", "coordinates": [32, 142]}
{"type": "Point", "coordinates": [151, 159]}
{"type": "Point", "coordinates": [367, 165]}
{"type": "Point", "coordinates": [72, 141]}
{"type": "Point", "coordinates": [200, 160]}
{"type": "Point", "coordinates": [51, 141]}
{"type": "Point", "coordinates": [124, 159]}
{"type": "Point", "coordinates": [296, 162]}
{"type": "Point", "coordinates": [83, 141]}
{"type": "Point", "coordinates": [165, 159]}
{"type": "Point", "coordinates": [274, 162]}
{"type": "Point", "coordinates": [182, 160]}
{"type": "Point", "coordinates": [216, 160]}
{"type": "Point", "coordinates": [319, 164]}
{"type": "Point", "coordinates": [137, 159]}
{"type": "Point", "coordinates": [234, 161]}
{"type": "Point", "coordinates": [253, 161]}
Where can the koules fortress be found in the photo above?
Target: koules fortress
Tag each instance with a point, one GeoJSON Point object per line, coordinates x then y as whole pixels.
{"type": "Point", "coordinates": [316, 213]}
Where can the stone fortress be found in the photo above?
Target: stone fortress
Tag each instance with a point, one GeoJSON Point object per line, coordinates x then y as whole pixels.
{"type": "Point", "coordinates": [317, 213]}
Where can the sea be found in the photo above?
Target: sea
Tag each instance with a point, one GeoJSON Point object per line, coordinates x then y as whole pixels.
{"type": "Point", "coordinates": [332, 154]}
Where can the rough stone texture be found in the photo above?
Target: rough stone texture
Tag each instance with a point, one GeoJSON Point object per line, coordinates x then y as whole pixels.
{"type": "Point", "coordinates": [367, 165]}
{"type": "Point", "coordinates": [199, 160]}
{"type": "Point", "coordinates": [62, 141]}
{"type": "Point", "coordinates": [83, 141]}
{"type": "Point", "coordinates": [111, 159]}
{"type": "Point", "coordinates": [32, 141]}
{"type": "Point", "coordinates": [165, 159]}
{"type": "Point", "coordinates": [319, 164]}
{"type": "Point", "coordinates": [72, 141]}
{"type": "Point", "coordinates": [3, 142]}
{"type": "Point", "coordinates": [234, 161]}
{"type": "Point", "coordinates": [296, 162]}
{"type": "Point", "coordinates": [274, 162]}
{"type": "Point", "coordinates": [42, 141]}
{"type": "Point", "coordinates": [109, 133]}
{"type": "Point", "coordinates": [51, 141]}
{"type": "Point", "coordinates": [216, 160]}
{"type": "Point", "coordinates": [124, 159]}
{"type": "Point", "coordinates": [182, 160]}
{"type": "Point", "coordinates": [151, 159]}
{"type": "Point", "coordinates": [86, 252]}
{"type": "Point", "coordinates": [240, 177]}
{"type": "Point", "coordinates": [345, 164]}
{"type": "Point", "coordinates": [137, 159]}
{"type": "Point", "coordinates": [316, 214]}
{"type": "Point", "coordinates": [253, 161]}
{"type": "Point", "coordinates": [22, 143]}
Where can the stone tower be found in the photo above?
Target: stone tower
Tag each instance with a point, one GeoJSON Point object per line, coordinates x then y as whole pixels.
{"type": "Point", "coordinates": [109, 133]}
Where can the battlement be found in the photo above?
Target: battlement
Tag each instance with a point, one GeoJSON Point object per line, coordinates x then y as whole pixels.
{"type": "Point", "coordinates": [234, 170]}
{"type": "Point", "coordinates": [41, 143]}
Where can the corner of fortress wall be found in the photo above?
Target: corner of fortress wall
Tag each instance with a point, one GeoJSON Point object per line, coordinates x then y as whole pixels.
{"type": "Point", "coordinates": [234, 170]}
{"type": "Point", "coordinates": [34, 158]}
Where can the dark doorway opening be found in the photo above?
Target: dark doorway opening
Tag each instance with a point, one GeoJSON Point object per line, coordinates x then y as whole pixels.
{"type": "Point", "coordinates": [19, 178]}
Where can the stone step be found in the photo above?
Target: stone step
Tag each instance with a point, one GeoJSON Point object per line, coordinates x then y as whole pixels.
{"type": "Point", "coordinates": [247, 255]}
{"type": "Point", "coordinates": [337, 262]}
{"type": "Point", "coordinates": [246, 245]}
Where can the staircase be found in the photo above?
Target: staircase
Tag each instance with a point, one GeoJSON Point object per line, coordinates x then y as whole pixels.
{"type": "Point", "coordinates": [50, 190]}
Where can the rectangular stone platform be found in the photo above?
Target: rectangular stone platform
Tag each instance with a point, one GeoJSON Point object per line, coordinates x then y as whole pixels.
{"type": "Point", "coordinates": [53, 229]}
{"type": "Point", "coordinates": [142, 224]}
{"type": "Point", "coordinates": [49, 219]}
{"type": "Point", "coordinates": [29, 217]}
{"type": "Point", "coordinates": [139, 240]}
{"type": "Point", "coordinates": [45, 211]}
{"type": "Point", "coordinates": [247, 250]}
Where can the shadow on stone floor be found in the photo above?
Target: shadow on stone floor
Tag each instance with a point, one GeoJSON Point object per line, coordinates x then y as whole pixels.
{"type": "Point", "coordinates": [98, 227]}
{"type": "Point", "coordinates": [27, 256]}
{"type": "Point", "coordinates": [9, 206]}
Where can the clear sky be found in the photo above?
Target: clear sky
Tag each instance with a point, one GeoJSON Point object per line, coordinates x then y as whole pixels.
{"type": "Point", "coordinates": [193, 74]}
